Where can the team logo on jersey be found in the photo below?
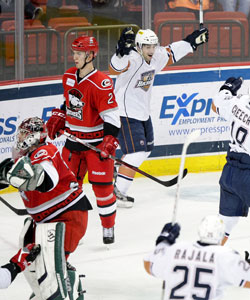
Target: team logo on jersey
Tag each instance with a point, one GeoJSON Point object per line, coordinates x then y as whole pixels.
{"type": "Point", "coordinates": [40, 153]}
{"type": "Point", "coordinates": [106, 83]}
{"type": "Point", "coordinates": [146, 80]}
{"type": "Point", "coordinates": [75, 104]}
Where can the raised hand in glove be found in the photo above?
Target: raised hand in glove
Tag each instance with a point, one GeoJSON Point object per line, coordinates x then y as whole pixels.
{"type": "Point", "coordinates": [108, 146]}
{"type": "Point", "coordinates": [169, 233]}
{"type": "Point", "coordinates": [26, 256]}
{"type": "Point", "coordinates": [232, 84]}
{"type": "Point", "coordinates": [56, 122]}
{"type": "Point", "coordinates": [126, 42]}
{"type": "Point", "coordinates": [197, 38]}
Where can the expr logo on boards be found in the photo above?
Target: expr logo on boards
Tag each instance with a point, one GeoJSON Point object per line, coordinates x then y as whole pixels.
{"type": "Point", "coordinates": [182, 109]}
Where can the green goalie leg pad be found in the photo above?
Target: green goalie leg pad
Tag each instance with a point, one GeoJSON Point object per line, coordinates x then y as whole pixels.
{"type": "Point", "coordinates": [75, 291]}
{"type": "Point", "coordinates": [60, 262]}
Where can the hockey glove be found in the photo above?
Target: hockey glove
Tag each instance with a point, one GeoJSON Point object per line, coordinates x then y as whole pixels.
{"type": "Point", "coordinates": [5, 166]}
{"type": "Point", "coordinates": [197, 38]}
{"type": "Point", "coordinates": [232, 84]}
{"type": "Point", "coordinates": [108, 146]}
{"type": "Point", "coordinates": [26, 256]}
{"type": "Point", "coordinates": [126, 42]}
{"type": "Point", "coordinates": [25, 176]}
{"type": "Point", "coordinates": [56, 122]}
{"type": "Point", "coordinates": [169, 233]}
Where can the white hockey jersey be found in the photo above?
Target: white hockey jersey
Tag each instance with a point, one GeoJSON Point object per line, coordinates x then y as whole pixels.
{"type": "Point", "coordinates": [236, 110]}
{"type": "Point", "coordinates": [192, 271]}
{"type": "Point", "coordinates": [5, 278]}
{"type": "Point", "coordinates": [133, 87]}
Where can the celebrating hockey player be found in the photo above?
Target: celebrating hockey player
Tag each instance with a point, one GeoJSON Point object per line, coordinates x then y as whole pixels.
{"type": "Point", "coordinates": [17, 264]}
{"type": "Point", "coordinates": [199, 270]}
{"type": "Point", "coordinates": [56, 203]}
{"type": "Point", "coordinates": [136, 68]}
{"type": "Point", "coordinates": [90, 113]}
{"type": "Point", "coordinates": [235, 177]}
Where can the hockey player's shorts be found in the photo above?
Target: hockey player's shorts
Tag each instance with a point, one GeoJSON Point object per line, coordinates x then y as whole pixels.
{"type": "Point", "coordinates": [235, 185]}
{"type": "Point", "coordinates": [135, 135]}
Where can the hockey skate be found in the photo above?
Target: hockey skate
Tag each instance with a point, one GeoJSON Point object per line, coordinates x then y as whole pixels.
{"type": "Point", "coordinates": [122, 200]}
{"type": "Point", "coordinates": [108, 235]}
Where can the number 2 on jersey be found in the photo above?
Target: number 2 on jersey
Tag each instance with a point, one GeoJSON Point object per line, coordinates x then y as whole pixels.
{"type": "Point", "coordinates": [110, 100]}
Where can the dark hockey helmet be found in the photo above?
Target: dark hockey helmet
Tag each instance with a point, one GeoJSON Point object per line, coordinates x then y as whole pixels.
{"type": "Point", "coordinates": [31, 132]}
{"type": "Point", "coordinates": [86, 44]}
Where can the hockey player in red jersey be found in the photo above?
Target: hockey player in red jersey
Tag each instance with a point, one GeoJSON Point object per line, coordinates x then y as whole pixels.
{"type": "Point", "coordinates": [90, 113]}
{"type": "Point", "coordinates": [56, 203]}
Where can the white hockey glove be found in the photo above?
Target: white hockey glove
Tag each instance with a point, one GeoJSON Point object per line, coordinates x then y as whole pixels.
{"type": "Point", "coordinates": [25, 176]}
{"type": "Point", "coordinates": [232, 84]}
{"type": "Point", "coordinates": [197, 38]}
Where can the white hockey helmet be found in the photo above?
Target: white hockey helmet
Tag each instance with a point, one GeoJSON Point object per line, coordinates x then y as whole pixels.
{"type": "Point", "coordinates": [211, 230]}
{"type": "Point", "coordinates": [32, 131]}
{"type": "Point", "coordinates": [145, 37]}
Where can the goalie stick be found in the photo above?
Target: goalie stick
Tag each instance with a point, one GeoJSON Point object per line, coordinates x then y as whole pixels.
{"type": "Point", "coordinates": [166, 183]}
{"type": "Point", "coordinates": [189, 140]}
{"type": "Point", "coordinates": [17, 211]}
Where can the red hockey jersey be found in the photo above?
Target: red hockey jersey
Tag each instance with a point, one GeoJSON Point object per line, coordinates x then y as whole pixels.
{"type": "Point", "coordinates": [86, 101]}
{"type": "Point", "coordinates": [46, 206]}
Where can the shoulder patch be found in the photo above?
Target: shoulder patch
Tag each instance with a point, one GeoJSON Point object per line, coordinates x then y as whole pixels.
{"type": "Point", "coordinates": [40, 153]}
{"type": "Point", "coordinates": [70, 82]}
{"type": "Point", "coordinates": [106, 83]}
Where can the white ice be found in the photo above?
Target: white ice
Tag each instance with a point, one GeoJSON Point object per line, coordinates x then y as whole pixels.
{"type": "Point", "coordinates": [118, 273]}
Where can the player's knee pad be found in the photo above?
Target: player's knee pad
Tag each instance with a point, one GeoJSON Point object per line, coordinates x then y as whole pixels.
{"type": "Point", "coordinates": [136, 159]}
{"type": "Point", "coordinates": [103, 190]}
{"type": "Point", "coordinates": [26, 235]}
{"type": "Point", "coordinates": [75, 286]}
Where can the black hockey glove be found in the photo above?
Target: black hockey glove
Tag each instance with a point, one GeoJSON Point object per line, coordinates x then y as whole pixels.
{"type": "Point", "coordinates": [126, 42]}
{"type": "Point", "coordinates": [5, 166]}
{"type": "Point", "coordinates": [169, 233]}
{"type": "Point", "coordinates": [197, 38]}
{"type": "Point", "coordinates": [232, 84]}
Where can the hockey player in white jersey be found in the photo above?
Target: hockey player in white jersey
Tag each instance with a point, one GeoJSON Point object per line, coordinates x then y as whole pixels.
{"type": "Point", "coordinates": [136, 68]}
{"type": "Point", "coordinates": [235, 177]}
{"type": "Point", "coordinates": [17, 264]}
{"type": "Point", "coordinates": [199, 270]}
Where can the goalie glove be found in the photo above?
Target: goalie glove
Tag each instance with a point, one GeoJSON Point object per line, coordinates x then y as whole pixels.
{"type": "Point", "coordinates": [25, 256]}
{"type": "Point", "coordinates": [5, 166]}
{"type": "Point", "coordinates": [232, 84]}
{"type": "Point", "coordinates": [25, 176]}
{"type": "Point", "coordinates": [169, 233]}
{"type": "Point", "coordinates": [56, 122]}
{"type": "Point", "coordinates": [126, 42]}
{"type": "Point", "coordinates": [197, 38]}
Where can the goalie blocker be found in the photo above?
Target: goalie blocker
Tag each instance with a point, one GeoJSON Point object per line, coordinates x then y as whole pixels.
{"type": "Point", "coordinates": [49, 277]}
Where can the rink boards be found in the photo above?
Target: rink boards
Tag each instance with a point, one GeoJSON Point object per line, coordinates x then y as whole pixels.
{"type": "Point", "coordinates": [181, 102]}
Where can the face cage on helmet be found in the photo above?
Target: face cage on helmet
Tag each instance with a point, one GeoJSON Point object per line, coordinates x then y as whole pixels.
{"type": "Point", "coordinates": [29, 139]}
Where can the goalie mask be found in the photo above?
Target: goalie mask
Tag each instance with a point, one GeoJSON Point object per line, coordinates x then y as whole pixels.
{"type": "Point", "coordinates": [211, 230]}
{"type": "Point", "coordinates": [31, 132]}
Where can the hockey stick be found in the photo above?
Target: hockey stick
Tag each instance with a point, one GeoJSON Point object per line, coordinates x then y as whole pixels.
{"type": "Point", "coordinates": [201, 14]}
{"type": "Point", "coordinates": [166, 183]}
{"type": "Point", "coordinates": [190, 139]}
{"type": "Point", "coordinates": [17, 211]}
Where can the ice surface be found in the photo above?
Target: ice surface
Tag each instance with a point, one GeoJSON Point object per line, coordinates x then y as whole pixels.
{"type": "Point", "coordinates": [118, 273]}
